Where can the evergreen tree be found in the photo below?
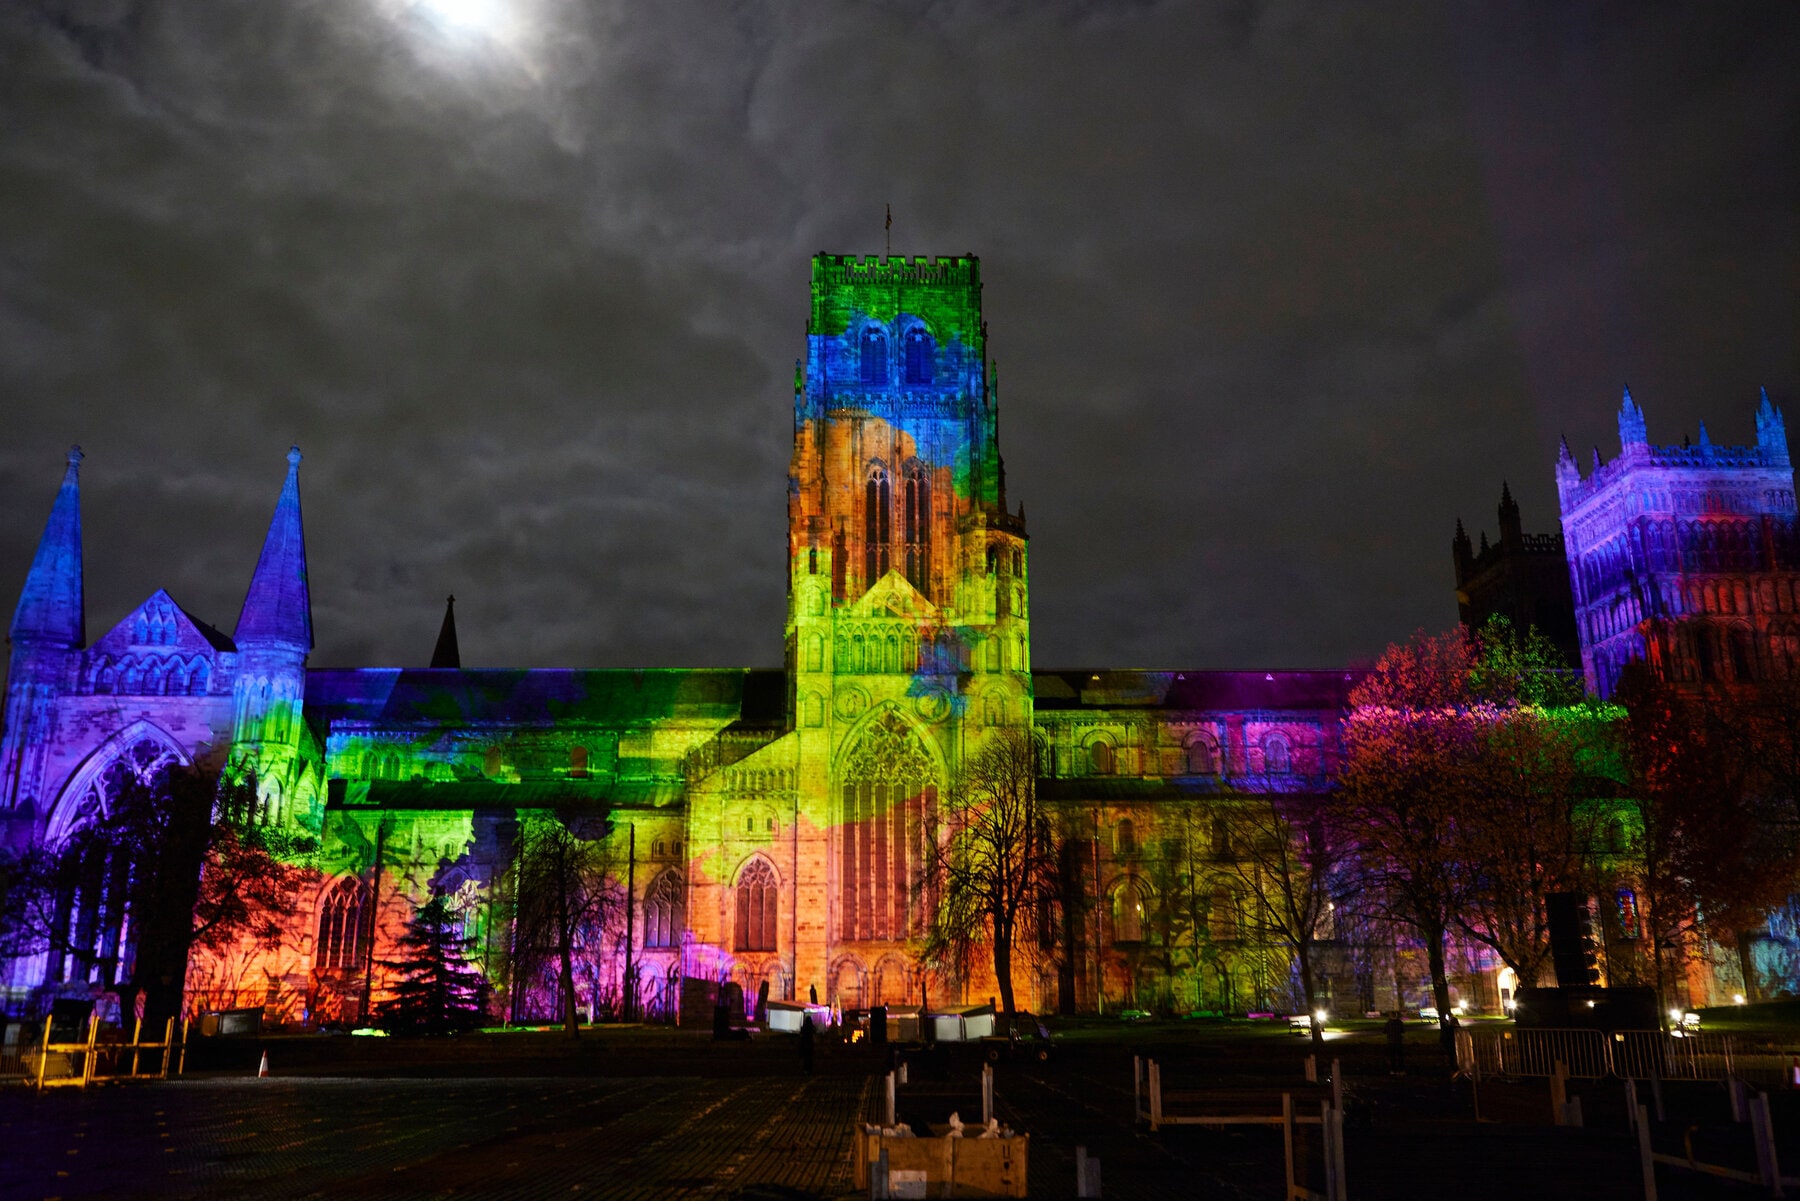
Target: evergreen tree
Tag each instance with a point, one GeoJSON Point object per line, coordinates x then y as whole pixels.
{"type": "Point", "coordinates": [438, 992]}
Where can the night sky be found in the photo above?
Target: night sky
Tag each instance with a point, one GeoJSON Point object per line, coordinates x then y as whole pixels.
{"type": "Point", "coordinates": [1277, 291]}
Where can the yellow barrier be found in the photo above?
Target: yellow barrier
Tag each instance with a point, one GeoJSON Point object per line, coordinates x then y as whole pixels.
{"type": "Point", "coordinates": [92, 1049]}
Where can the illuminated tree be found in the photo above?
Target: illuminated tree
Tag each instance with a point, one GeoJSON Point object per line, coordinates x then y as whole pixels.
{"type": "Point", "coordinates": [1529, 824]}
{"type": "Point", "coordinates": [1409, 742]}
{"type": "Point", "coordinates": [564, 893]}
{"type": "Point", "coordinates": [1706, 848]}
{"type": "Point", "coordinates": [177, 860]}
{"type": "Point", "coordinates": [991, 860]}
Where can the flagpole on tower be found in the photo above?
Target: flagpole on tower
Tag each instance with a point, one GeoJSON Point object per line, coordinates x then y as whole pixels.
{"type": "Point", "coordinates": [889, 228]}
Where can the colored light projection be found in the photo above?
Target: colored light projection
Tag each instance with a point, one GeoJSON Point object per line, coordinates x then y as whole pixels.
{"type": "Point", "coordinates": [1686, 556]}
{"type": "Point", "coordinates": [765, 826]}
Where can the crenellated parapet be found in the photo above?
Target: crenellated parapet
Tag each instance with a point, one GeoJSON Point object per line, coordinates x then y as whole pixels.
{"type": "Point", "coordinates": [1684, 555]}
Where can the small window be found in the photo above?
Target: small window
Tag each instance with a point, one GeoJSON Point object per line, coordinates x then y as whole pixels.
{"type": "Point", "coordinates": [1628, 914]}
{"type": "Point", "coordinates": [1200, 758]}
{"type": "Point", "coordinates": [578, 761]}
{"type": "Point", "coordinates": [874, 357]}
{"type": "Point", "coordinates": [1128, 912]}
{"type": "Point", "coordinates": [749, 825]}
{"type": "Point", "coordinates": [918, 357]}
{"type": "Point", "coordinates": [1222, 917]}
{"type": "Point", "coordinates": [1125, 837]}
{"type": "Point", "coordinates": [1276, 760]}
{"type": "Point", "coordinates": [1100, 757]}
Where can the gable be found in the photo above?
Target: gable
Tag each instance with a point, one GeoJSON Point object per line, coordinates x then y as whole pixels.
{"type": "Point", "coordinates": [159, 649]}
{"type": "Point", "coordinates": [162, 625]}
{"type": "Point", "coordinates": [893, 596]}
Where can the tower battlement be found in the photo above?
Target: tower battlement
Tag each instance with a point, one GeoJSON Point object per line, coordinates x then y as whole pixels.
{"type": "Point", "coordinates": [958, 269]}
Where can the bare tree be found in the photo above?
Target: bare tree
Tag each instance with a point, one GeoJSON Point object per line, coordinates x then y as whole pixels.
{"type": "Point", "coordinates": [1288, 863]}
{"type": "Point", "coordinates": [991, 862]}
{"type": "Point", "coordinates": [564, 893]}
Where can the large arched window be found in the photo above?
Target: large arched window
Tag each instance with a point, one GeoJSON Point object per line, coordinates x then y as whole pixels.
{"type": "Point", "coordinates": [918, 357]}
{"type": "Point", "coordinates": [889, 801]}
{"type": "Point", "coordinates": [874, 357]}
{"type": "Point", "coordinates": [662, 911]}
{"type": "Point", "coordinates": [1200, 759]}
{"type": "Point", "coordinates": [756, 907]}
{"type": "Point", "coordinates": [1100, 757]}
{"type": "Point", "coordinates": [342, 925]}
{"type": "Point", "coordinates": [878, 500]}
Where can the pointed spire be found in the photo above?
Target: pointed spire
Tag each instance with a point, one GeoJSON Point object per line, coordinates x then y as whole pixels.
{"type": "Point", "coordinates": [1598, 461]}
{"type": "Point", "coordinates": [51, 606]}
{"type": "Point", "coordinates": [1567, 473]}
{"type": "Point", "coordinates": [1511, 528]}
{"type": "Point", "coordinates": [1771, 430]}
{"type": "Point", "coordinates": [1631, 422]}
{"type": "Point", "coordinates": [1704, 439]}
{"type": "Point", "coordinates": [278, 607]}
{"type": "Point", "coordinates": [446, 654]}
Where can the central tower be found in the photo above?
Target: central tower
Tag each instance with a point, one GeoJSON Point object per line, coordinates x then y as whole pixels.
{"type": "Point", "coordinates": [908, 631]}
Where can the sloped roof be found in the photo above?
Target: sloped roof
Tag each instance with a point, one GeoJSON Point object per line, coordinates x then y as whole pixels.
{"type": "Point", "coordinates": [453, 795]}
{"type": "Point", "coordinates": [547, 696]}
{"type": "Point", "coordinates": [1191, 690]}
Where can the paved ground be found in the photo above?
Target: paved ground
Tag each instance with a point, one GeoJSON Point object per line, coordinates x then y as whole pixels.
{"type": "Point", "coordinates": [659, 1114]}
{"type": "Point", "coordinates": [526, 1138]}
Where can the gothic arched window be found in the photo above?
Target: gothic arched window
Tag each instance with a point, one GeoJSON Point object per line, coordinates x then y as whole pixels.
{"type": "Point", "coordinates": [756, 907]}
{"type": "Point", "coordinates": [918, 357]}
{"type": "Point", "coordinates": [1128, 911]}
{"type": "Point", "coordinates": [874, 357]}
{"type": "Point", "coordinates": [342, 925]}
{"type": "Point", "coordinates": [889, 800]}
{"type": "Point", "coordinates": [918, 528]}
{"type": "Point", "coordinates": [1276, 759]}
{"type": "Point", "coordinates": [878, 499]}
{"type": "Point", "coordinates": [662, 911]}
{"type": "Point", "coordinates": [1222, 917]}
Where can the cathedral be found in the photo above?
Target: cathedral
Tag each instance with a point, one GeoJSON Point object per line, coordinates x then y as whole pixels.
{"type": "Point", "coordinates": [768, 826]}
{"type": "Point", "coordinates": [769, 821]}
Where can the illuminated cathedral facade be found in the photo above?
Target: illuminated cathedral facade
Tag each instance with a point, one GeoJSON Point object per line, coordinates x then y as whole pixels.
{"type": "Point", "coordinates": [769, 822]}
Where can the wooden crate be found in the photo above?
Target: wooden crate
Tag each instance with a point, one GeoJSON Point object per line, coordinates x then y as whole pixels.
{"type": "Point", "coordinates": [952, 1167]}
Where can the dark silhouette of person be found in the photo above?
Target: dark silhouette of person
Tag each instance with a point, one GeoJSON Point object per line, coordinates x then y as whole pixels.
{"type": "Point", "coordinates": [812, 993]}
{"type": "Point", "coordinates": [1395, 1029]}
{"type": "Point", "coordinates": [806, 1044]}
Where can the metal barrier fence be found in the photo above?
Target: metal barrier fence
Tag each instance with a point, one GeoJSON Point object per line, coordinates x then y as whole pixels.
{"type": "Point", "coordinates": [1691, 1055]}
{"type": "Point", "coordinates": [1636, 1054]}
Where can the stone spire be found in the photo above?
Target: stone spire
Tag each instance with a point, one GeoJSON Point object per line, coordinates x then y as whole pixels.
{"type": "Point", "coordinates": [1632, 429]}
{"type": "Point", "coordinates": [51, 607]}
{"type": "Point", "coordinates": [446, 654]}
{"type": "Point", "coordinates": [278, 607]}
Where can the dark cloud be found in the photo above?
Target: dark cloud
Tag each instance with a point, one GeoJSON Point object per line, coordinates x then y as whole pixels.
{"type": "Point", "coordinates": [1277, 290]}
